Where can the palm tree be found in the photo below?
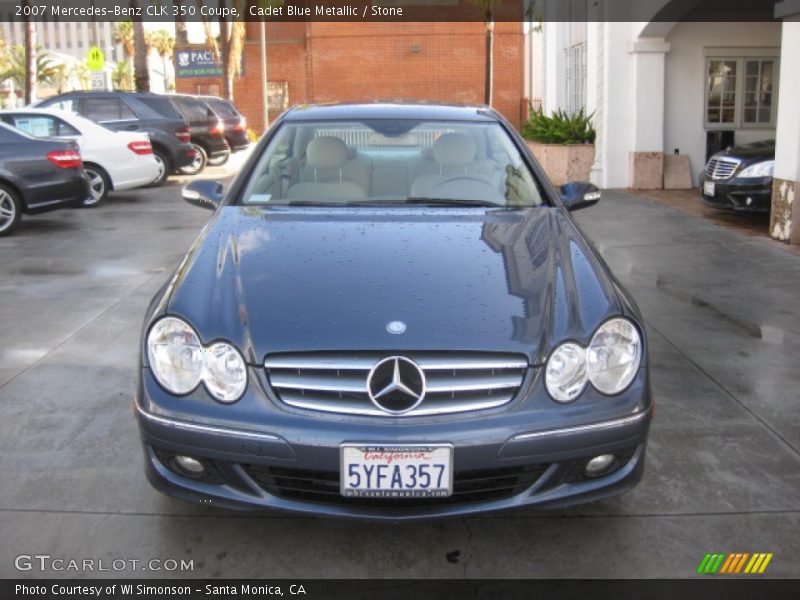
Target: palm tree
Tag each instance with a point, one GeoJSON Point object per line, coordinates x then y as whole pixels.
{"type": "Point", "coordinates": [121, 76]}
{"type": "Point", "coordinates": [29, 84]}
{"type": "Point", "coordinates": [46, 70]}
{"type": "Point", "coordinates": [164, 44]}
{"type": "Point", "coordinates": [61, 77]}
{"type": "Point", "coordinates": [123, 35]}
{"type": "Point", "coordinates": [81, 74]}
{"type": "Point", "coordinates": [230, 47]}
{"type": "Point", "coordinates": [141, 70]}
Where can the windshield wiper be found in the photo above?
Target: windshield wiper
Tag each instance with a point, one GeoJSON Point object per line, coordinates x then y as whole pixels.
{"type": "Point", "coordinates": [398, 202]}
{"type": "Point", "coordinates": [429, 201]}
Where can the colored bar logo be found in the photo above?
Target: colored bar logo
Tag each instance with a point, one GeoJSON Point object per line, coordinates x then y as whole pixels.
{"type": "Point", "coordinates": [738, 563]}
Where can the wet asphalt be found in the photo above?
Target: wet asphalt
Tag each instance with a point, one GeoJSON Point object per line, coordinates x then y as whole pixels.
{"type": "Point", "coordinates": [723, 465]}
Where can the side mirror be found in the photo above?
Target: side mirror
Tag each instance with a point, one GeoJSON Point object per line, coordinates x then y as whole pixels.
{"type": "Point", "coordinates": [579, 194]}
{"type": "Point", "coordinates": [203, 193]}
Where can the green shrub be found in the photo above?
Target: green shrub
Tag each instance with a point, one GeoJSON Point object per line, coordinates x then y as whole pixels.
{"type": "Point", "coordinates": [559, 128]}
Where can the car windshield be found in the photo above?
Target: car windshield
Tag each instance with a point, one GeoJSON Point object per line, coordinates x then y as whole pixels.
{"type": "Point", "coordinates": [392, 162]}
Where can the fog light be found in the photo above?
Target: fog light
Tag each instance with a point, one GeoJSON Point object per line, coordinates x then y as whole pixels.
{"type": "Point", "coordinates": [192, 466]}
{"type": "Point", "coordinates": [599, 465]}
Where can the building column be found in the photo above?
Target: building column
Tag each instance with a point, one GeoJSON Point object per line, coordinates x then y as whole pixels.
{"type": "Point", "coordinates": [646, 160]}
{"type": "Point", "coordinates": [785, 215]}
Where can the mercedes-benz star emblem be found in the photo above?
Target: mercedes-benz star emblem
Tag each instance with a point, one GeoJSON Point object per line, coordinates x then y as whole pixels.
{"type": "Point", "coordinates": [396, 385]}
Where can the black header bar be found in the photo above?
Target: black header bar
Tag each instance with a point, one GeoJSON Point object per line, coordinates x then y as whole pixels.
{"type": "Point", "coordinates": [365, 11]}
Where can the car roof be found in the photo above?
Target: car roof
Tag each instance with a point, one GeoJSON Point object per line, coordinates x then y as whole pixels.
{"type": "Point", "coordinates": [391, 110]}
{"type": "Point", "coordinates": [106, 93]}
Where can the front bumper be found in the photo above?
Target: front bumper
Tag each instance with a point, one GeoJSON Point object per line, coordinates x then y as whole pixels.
{"type": "Point", "coordinates": [745, 195]}
{"type": "Point", "coordinates": [289, 459]}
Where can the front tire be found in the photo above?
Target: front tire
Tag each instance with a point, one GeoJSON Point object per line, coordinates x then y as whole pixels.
{"type": "Point", "coordinates": [99, 185]}
{"type": "Point", "coordinates": [164, 168]}
{"type": "Point", "coordinates": [10, 210]}
{"type": "Point", "coordinates": [199, 162]}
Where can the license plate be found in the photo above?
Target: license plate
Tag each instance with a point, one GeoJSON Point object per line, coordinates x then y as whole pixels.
{"type": "Point", "coordinates": [709, 188]}
{"type": "Point", "coordinates": [407, 471]}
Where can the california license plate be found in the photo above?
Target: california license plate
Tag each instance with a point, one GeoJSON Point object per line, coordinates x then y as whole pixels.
{"type": "Point", "coordinates": [406, 471]}
{"type": "Point", "coordinates": [709, 188]}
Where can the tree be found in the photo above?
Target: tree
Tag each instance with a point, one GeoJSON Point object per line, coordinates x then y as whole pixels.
{"type": "Point", "coordinates": [61, 77]}
{"type": "Point", "coordinates": [164, 44]}
{"type": "Point", "coordinates": [16, 67]}
{"type": "Point", "coordinates": [123, 35]}
{"type": "Point", "coordinates": [30, 60]}
{"type": "Point", "coordinates": [80, 73]}
{"type": "Point", "coordinates": [121, 76]}
{"type": "Point", "coordinates": [228, 50]}
{"type": "Point", "coordinates": [141, 70]}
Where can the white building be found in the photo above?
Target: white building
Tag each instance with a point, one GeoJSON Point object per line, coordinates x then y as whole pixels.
{"type": "Point", "coordinates": [73, 39]}
{"type": "Point", "coordinates": [657, 85]}
{"type": "Point", "coordinates": [70, 38]}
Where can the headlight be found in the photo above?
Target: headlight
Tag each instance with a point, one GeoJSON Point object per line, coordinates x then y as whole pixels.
{"type": "Point", "coordinates": [180, 362]}
{"type": "Point", "coordinates": [565, 375]}
{"type": "Point", "coordinates": [176, 355]}
{"type": "Point", "coordinates": [613, 356]}
{"type": "Point", "coordinates": [762, 169]}
{"type": "Point", "coordinates": [225, 374]}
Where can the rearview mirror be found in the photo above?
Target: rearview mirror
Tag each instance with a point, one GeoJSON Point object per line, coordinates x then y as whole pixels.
{"type": "Point", "coordinates": [203, 193]}
{"type": "Point", "coordinates": [579, 194]}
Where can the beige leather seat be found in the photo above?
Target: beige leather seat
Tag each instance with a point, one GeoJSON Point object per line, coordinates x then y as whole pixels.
{"type": "Point", "coordinates": [327, 172]}
{"type": "Point", "coordinates": [453, 154]}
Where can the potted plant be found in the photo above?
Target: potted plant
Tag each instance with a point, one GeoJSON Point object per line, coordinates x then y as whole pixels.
{"type": "Point", "coordinates": [563, 144]}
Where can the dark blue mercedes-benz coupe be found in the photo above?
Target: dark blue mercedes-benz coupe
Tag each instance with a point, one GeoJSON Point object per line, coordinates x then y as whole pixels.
{"type": "Point", "coordinates": [392, 314]}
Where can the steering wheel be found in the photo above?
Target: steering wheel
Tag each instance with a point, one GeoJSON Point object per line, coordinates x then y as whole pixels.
{"type": "Point", "coordinates": [467, 187]}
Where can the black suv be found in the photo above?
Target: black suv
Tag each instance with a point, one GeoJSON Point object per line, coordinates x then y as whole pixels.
{"type": "Point", "coordinates": [154, 114]}
{"type": "Point", "coordinates": [235, 126]}
{"type": "Point", "coordinates": [207, 132]}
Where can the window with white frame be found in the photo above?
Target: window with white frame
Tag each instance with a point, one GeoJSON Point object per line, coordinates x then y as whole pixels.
{"type": "Point", "coordinates": [575, 62]}
{"type": "Point", "coordinates": [741, 92]}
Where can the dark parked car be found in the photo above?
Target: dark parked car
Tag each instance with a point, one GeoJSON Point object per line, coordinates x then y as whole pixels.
{"type": "Point", "coordinates": [740, 178]}
{"type": "Point", "coordinates": [207, 132]}
{"type": "Point", "coordinates": [393, 315]}
{"type": "Point", "coordinates": [155, 114]}
{"type": "Point", "coordinates": [235, 126]}
{"type": "Point", "coordinates": [37, 175]}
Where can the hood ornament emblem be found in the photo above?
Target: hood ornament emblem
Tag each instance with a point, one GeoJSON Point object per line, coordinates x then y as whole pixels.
{"type": "Point", "coordinates": [396, 327]}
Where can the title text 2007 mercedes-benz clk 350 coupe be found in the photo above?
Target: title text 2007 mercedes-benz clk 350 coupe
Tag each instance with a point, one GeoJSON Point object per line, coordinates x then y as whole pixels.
{"type": "Point", "coordinates": [392, 314]}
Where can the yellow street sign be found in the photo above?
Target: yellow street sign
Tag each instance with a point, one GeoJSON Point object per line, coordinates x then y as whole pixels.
{"type": "Point", "coordinates": [95, 59]}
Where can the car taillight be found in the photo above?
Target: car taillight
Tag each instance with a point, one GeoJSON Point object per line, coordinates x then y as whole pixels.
{"type": "Point", "coordinates": [240, 126]}
{"type": "Point", "coordinates": [141, 147]}
{"type": "Point", "coordinates": [66, 159]}
{"type": "Point", "coordinates": [183, 134]}
{"type": "Point", "coordinates": [219, 127]}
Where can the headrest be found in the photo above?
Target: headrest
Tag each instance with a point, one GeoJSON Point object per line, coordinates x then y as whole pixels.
{"type": "Point", "coordinates": [326, 153]}
{"type": "Point", "coordinates": [454, 150]}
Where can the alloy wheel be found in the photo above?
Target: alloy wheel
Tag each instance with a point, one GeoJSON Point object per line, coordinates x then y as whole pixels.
{"type": "Point", "coordinates": [8, 210]}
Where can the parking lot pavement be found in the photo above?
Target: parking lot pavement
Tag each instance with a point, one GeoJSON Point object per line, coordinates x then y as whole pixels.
{"type": "Point", "coordinates": [723, 469]}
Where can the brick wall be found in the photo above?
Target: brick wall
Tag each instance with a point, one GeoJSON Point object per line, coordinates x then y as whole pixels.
{"type": "Point", "coordinates": [328, 62]}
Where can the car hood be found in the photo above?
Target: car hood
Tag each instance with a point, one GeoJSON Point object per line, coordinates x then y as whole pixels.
{"type": "Point", "coordinates": [294, 279]}
{"type": "Point", "coordinates": [753, 152]}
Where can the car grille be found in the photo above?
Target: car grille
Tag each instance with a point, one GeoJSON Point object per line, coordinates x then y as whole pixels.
{"type": "Point", "coordinates": [323, 486]}
{"type": "Point", "coordinates": [721, 168]}
{"type": "Point", "coordinates": [337, 382]}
